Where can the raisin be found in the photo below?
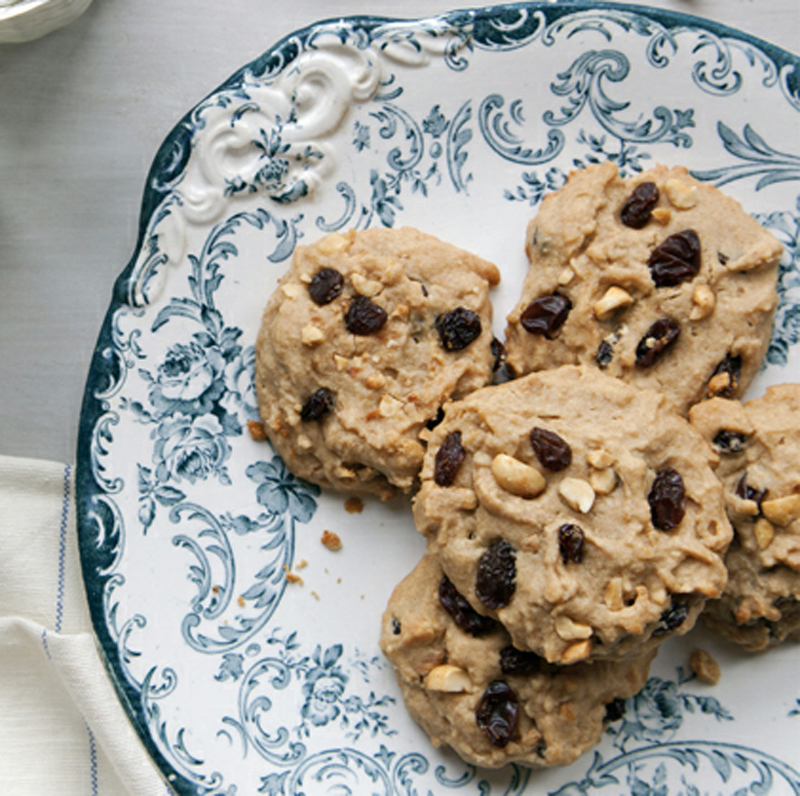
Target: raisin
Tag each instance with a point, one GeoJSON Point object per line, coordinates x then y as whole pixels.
{"type": "Point", "coordinates": [552, 451]}
{"type": "Point", "coordinates": [672, 618]}
{"type": "Point", "coordinates": [448, 459]}
{"type": "Point", "coordinates": [462, 613]}
{"type": "Point", "coordinates": [658, 339]}
{"type": "Point", "coordinates": [675, 260]}
{"type": "Point", "coordinates": [615, 710]}
{"type": "Point", "coordinates": [497, 713]}
{"type": "Point", "coordinates": [637, 209]}
{"type": "Point", "coordinates": [747, 492]}
{"type": "Point", "coordinates": [546, 315]}
{"type": "Point", "coordinates": [570, 543]}
{"type": "Point", "coordinates": [317, 406]}
{"type": "Point", "coordinates": [325, 286]}
{"type": "Point", "coordinates": [729, 443]}
{"type": "Point", "coordinates": [731, 367]}
{"type": "Point", "coordinates": [396, 626]}
{"type": "Point", "coordinates": [496, 578]}
{"type": "Point", "coordinates": [458, 328]}
{"type": "Point", "coordinates": [498, 351]}
{"type": "Point", "coordinates": [519, 662]}
{"type": "Point", "coordinates": [604, 355]}
{"type": "Point", "coordinates": [364, 316]}
{"type": "Point", "coordinates": [667, 499]}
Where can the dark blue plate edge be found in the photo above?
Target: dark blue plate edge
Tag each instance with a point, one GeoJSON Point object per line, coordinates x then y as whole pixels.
{"type": "Point", "coordinates": [168, 163]}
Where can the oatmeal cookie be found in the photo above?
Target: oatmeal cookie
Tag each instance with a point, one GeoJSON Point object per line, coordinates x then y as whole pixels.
{"type": "Point", "coordinates": [364, 339]}
{"type": "Point", "coordinates": [659, 279]}
{"type": "Point", "coordinates": [469, 688]}
{"type": "Point", "coordinates": [578, 510]}
{"type": "Point", "coordinates": [759, 448]}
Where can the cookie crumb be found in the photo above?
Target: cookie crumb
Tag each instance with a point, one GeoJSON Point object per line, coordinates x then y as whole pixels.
{"type": "Point", "coordinates": [314, 595]}
{"type": "Point", "coordinates": [292, 577]}
{"type": "Point", "coordinates": [257, 430]}
{"type": "Point", "coordinates": [302, 564]}
{"type": "Point", "coordinates": [240, 601]}
{"type": "Point", "coordinates": [331, 540]}
{"type": "Point", "coordinates": [705, 667]}
{"type": "Point", "coordinates": [354, 505]}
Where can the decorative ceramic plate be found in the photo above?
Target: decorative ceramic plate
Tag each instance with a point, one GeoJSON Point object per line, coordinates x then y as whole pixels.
{"type": "Point", "coordinates": [244, 651]}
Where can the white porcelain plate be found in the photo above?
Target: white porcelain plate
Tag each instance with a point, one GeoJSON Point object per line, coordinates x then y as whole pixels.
{"type": "Point", "coordinates": [241, 681]}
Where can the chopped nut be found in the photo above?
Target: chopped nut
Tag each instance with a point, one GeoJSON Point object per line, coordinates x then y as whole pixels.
{"type": "Point", "coordinates": [719, 384]}
{"type": "Point", "coordinates": [304, 442]}
{"type": "Point", "coordinates": [257, 430]}
{"type": "Point", "coordinates": [764, 532]}
{"type": "Point", "coordinates": [704, 301]}
{"type": "Point", "coordinates": [576, 652]}
{"type": "Point", "coordinates": [517, 477]}
{"type": "Point", "coordinates": [311, 335]}
{"type": "Point", "coordinates": [705, 667]}
{"type": "Point", "coordinates": [613, 597]}
{"type": "Point", "coordinates": [615, 298]}
{"type": "Point", "coordinates": [292, 290]}
{"type": "Point", "coordinates": [600, 459]}
{"type": "Point", "coordinates": [682, 195]}
{"type": "Point", "coordinates": [331, 540]}
{"type": "Point", "coordinates": [565, 277]}
{"type": "Point", "coordinates": [783, 510]}
{"type": "Point", "coordinates": [569, 630]}
{"type": "Point", "coordinates": [577, 494]}
{"type": "Point", "coordinates": [662, 214]}
{"type": "Point", "coordinates": [375, 381]}
{"type": "Point", "coordinates": [448, 678]}
{"type": "Point", "coordinates": [603, 481]}
{"type": "Point", "coordinates": [340, 362]}
{"type": "Point", "coordinates": [334, 243]}
{"type": "Point", "coordinates": [366, 287]}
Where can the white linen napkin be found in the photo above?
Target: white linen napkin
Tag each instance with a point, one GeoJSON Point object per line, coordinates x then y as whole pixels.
{"type": "Point", "coordinates": [62, 729]}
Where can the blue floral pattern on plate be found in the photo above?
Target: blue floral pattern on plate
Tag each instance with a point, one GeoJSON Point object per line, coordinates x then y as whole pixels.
{"type": "Point", "coordinates": [243, 650]}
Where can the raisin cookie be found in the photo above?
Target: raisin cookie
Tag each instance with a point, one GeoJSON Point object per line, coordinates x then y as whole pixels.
{"type": "Point", "coordinates": [759, 448]}
{"type": "Point", "coordinates": [469, 688]}
{"type": "Point", "coordinates": [366, 336]}
{"type": "Point", "coordinates": [578, 510]}
{"type": "Point", "coordinates": [660, 280]}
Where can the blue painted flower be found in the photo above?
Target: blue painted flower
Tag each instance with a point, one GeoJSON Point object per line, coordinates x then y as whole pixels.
{"type": "Point", "coordinates": [361, 139]}
{"type": "Point", "coordinates": [655, 712]}
{"type": "Point", "coordinates": [190, 448]}
{"type": "Point", "coordinates": [189, 380]}
{"type": "Point", "coordinates": [434, 123]}
{"type": "Point", "coordinates": [241, 386]}
{"type": "Point", "coordinates": [279, 491]}
{"type": "Point", "coordinates": [323, 689]}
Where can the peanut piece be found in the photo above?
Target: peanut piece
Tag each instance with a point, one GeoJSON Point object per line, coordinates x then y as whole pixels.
{"type": "Point", "coordinates": [334, 243]}
{"type": "Point", "coordinates": [569, 630]}
{"type": "Point", "coordinates": [704, 301]}
{"type": "Point", "coordinates": [311, 335]}
{"type": "Point", "coordinates": [292, 290]}
{"type": "Point", "coordinates": [565, 277]}
{"type": "Point", "coordinates": [614, 597]}
{"type": "Point", "coordinates": [764, 532]}
{"type": "Point", "coordinates": [783, 510]}
{"type": "Point", "coordinates": [364, 286]}
{"type": "Point", "coordinates": [600, 459]}
{"type": "Point", "coordinates": [682, 195]}
{"type": "Point", "coordinates": [603, 481]}
{"type": "Point", "coordinates": [375, 381]}
{"type": "Point", "coordinates": [389, 406]}
{"type": "Point", "coordinates": [576, 652]}
{"type": "Point", "coordinates": [517, 477]}
{"type": "Point", "coordinates": [615, 298]}
{"type": "Point", "coordinates": [663, 215]}
{"type": "Point", "coordinates": [577, 494]}
{"type": "Point", "coordinates": [449, 679]}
